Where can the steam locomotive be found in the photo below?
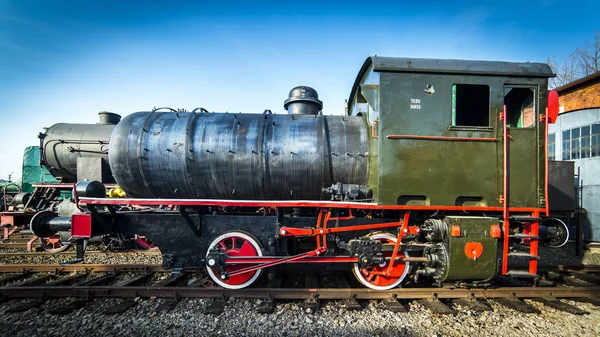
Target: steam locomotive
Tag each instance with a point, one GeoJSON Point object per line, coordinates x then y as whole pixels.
{"type": "Point", "coordinates": [67, 153]}
{"type": "Point", "coordinates": [436, 168]}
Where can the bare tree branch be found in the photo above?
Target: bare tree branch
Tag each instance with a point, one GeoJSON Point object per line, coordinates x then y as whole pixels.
{"type": "Point", "coordinates": [588, 57]}
{"type": "Point", "coordinates": [583, 61]}
{"type": "Point", "coordinates": [566, 71]}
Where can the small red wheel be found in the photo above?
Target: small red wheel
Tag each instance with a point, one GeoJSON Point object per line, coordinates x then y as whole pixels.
{"type": "Point", "coordinates": [53, 244]}
{"type": "Point", "coordinates": [144, 243]}
{"type": "Point", "coordinates": [236, 243]}
{"type": "Point", "coordinates": [368, 277]}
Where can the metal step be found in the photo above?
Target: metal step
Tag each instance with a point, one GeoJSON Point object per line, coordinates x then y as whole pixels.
{"type": "Point", "coordinates": [525, 255]}
{"type": "Point", "coordinates": [524, 236]}
{"type": "Point", "coordinates": [525, 218]}
{"type": "Point", "coordinates": [521, 273]}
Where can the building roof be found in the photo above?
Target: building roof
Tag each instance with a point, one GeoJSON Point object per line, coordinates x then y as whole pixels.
{"type": "Point", "coordinates": [580, 82]}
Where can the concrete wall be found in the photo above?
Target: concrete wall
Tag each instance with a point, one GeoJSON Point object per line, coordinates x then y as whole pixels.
{"type": "Point", "coordinates": [590, 167]}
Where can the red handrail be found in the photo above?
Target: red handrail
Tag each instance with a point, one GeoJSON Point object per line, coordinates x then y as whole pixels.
{"type": "Point", "coordinates": [546, 164]}
{"type": "Point", "coordinates": [505, 214]}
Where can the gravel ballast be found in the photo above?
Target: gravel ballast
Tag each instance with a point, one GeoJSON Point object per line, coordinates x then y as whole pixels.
{"type": "Point", "coordinates": [100, 256]}
{"type": "Point", "coordinates": [290, 319]}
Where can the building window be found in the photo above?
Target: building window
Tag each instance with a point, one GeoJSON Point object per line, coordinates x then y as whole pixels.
{"type": "Point", "coordinates": [595, 137]}
{"type": "Point", "coordinates": [575, 143]}
{"type": "Point", "coordinates": [586, 148]}
{"type": "Point", "coordinates": [566, 145]}
{"type": "Point", "coordinates": [551, 146]}
{"type": "Point", "coordinates": [582, 142]}
{"type": "Point", "coordinates": [470, 105]}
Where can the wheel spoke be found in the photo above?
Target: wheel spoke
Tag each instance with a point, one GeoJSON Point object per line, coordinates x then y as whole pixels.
{"type": "Point", "coordinates": [247, 249]}
{"type": "Point", "coordinates": [53, 244]}
{"type": "Point", "coordinates": [233, 240]}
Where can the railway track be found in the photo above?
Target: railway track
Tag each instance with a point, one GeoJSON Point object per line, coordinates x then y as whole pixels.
{"type": "Point", "coordinates": [15, 245]}
{"type": "Point", "coordinates": [73, 253]}
{"type": "Point", "coordinates": [87, 281]}
{"type": "Point", "coordinates": [300, 293]}
{"type": "Point", "coordinates": [17, 240]}
{"type": "Point", "coordinates": [82, 267]}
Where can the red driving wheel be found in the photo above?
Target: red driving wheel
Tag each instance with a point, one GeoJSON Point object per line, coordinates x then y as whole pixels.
{"type": "Point", "coordinates": [371, 277]}
{"type": "Point", "coordinates": [236, 243]}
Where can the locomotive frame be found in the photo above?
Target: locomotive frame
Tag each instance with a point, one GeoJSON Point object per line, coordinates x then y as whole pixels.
{"type": "Point", "coordinates": [427, 214]}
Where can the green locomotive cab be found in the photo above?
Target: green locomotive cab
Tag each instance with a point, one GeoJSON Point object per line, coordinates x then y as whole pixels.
{"type": "Point", "coordinates": [437, 144]}
{"type": "Point", "coordinates": [437, 132]}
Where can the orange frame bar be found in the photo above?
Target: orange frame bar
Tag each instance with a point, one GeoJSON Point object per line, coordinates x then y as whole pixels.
{"type": "Point", "coordinates": [468, 139]}
{"type": "Point", "coordinates": [401, 233]}
{"type": "Point", "coordinates": [296, 203]}
{"type": "Point", "coordinates": [293, 231]}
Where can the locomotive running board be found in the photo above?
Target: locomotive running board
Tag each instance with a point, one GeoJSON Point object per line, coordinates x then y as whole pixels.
{"type": "Point", "coordinates": [292, 203]}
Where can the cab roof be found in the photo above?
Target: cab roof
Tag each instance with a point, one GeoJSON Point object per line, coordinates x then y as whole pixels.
{"type": "Point", "coordinates": [449, 66]}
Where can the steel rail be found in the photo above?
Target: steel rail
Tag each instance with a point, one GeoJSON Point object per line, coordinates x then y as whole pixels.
{"type": "Point", "coordinates": [588, 268]}
{"type": "Point", "coordinates": [50, 268]}
{"type": "Point", "coordinates": [17, 239]}
{"type": "Point", "coordinates": [293, 293]}
{"type": "Point", "coordinates": [89, 252]}
{"type": "Point", "coordinates": [16, 245]}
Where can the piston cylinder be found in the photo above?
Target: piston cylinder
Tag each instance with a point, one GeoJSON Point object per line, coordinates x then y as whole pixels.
{"type": "Point", "coordinates": [47, 223]}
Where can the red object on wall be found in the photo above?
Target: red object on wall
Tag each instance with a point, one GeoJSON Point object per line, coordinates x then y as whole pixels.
{"type": "Point", "coordinates": [552, 106]}
{"type": "Point", "coordinates": [81, 225]}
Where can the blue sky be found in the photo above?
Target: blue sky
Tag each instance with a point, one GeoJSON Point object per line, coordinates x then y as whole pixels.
{"type": "Point", "coordinates": [64, 61]}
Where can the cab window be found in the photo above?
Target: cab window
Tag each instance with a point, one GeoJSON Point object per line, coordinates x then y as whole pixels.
{"type": "Point", "coordinates": [520, 108]}
{"type": "Point", "coordinates": [470, 105]}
